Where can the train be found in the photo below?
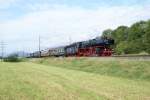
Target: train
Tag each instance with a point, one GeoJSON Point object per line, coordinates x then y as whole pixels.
{"type": "Point", "coordinates": [91, 48]}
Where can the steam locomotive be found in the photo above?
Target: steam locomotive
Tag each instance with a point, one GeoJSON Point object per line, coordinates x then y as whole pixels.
{"type": "Point", "coordinates": [94, 47]}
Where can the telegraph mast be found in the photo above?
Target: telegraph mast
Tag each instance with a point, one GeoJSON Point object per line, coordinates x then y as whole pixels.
{"type": "Point", "coordinates": [2, 46]}
{"type": "Point", "coordinates": [39, 46]}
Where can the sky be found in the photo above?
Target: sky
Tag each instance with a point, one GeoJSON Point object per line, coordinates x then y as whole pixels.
{"type": "Point", "coordinates": [61, 22]}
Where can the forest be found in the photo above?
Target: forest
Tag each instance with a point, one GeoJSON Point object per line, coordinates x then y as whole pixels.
{"type": "Point", "coordinates": [130, 40]}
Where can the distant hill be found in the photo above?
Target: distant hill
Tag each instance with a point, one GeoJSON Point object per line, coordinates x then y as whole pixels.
{"type": "Point", "coordinates": [22, 54]}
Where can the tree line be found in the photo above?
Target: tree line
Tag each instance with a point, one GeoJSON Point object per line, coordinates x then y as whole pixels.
{"type": "Point", "coordinates": [130, 40]}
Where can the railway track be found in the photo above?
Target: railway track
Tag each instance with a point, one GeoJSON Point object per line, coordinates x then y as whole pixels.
{"type": "Point", "coordinates": [131, 56]}
{"type": "Point", "coordinates": [144, 57]}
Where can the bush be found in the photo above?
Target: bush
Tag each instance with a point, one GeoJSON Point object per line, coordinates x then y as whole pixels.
{"type": "Point", "coordinates": [121, 48]}
{"type": "Point", "coordinates": [12, 58]}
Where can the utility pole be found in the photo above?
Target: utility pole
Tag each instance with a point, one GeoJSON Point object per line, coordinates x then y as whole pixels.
{"type": "Point", "coordinates": [24, 52]}
{"type": "Point", "coordinates": [39, 46]}
{"type": "Point", "coordinates": [2, 46]}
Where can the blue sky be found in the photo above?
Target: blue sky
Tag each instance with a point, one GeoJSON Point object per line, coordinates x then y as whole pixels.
{"type": "Point", "coordinates": [16, 8]}
{"type": "Point", "coordinates": [22, 21]}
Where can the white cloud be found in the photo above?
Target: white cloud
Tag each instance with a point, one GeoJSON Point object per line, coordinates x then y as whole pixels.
{"type": "Point", "coordinates": [7, 3]}
{"type": "Point", "coordinates": [57, 24]}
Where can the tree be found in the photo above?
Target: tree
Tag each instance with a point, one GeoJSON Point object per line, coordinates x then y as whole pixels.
{"type": "Point", "coordinates": [147, 37]}
{"type": "Point", "coordinates": [137, 30]}
{"type": "Point", "coordinates": [129, 40]}
{"type": "Point", "coordinates": [107, 33]}
{"type": "Point", "coordinates": [121, 48]}
{"type": "Point", "coordinates": [120, 34]}
{"type": "Point", "coordinates": [12, 58]}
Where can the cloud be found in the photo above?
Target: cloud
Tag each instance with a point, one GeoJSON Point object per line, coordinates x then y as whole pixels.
{"type": "Point", "coordinates": [56, 25]}
{"type": "Point", "coordinates": [7, 3]}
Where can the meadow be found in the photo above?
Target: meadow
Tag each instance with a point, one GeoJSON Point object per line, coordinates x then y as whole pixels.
{"type": "Point", "coordinates": [75, 79]}
{"type": "Point", "coordinates": [130, 68]}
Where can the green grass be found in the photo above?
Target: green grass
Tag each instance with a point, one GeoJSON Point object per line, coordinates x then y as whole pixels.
{"type": "Point", "coordinates": [125, 68]}
{"type": "Point", "coordinates": [30, 81]}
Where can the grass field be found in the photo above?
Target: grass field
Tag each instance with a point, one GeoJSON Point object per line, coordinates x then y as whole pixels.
{"type": "Point", "coordinates": [50, 81]}
{"type": "Point", "coordinates": [124, 68]}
